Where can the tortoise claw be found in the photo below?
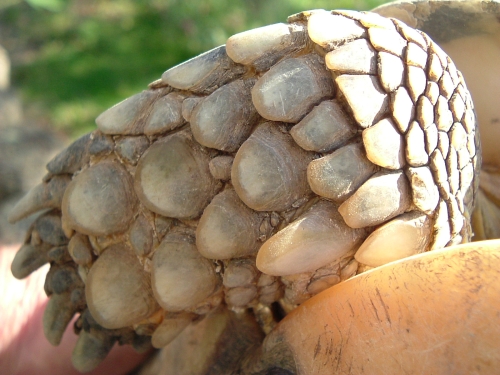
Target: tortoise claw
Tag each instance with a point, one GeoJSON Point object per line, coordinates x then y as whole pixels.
{"type": "Point", "coordinates": [90, 350]}
{"type": "Point", "coordinates": [28, 259]}
{"type": "Point", "coordinates": [56, 317]}
{"type": "Point", "coordinates": [43, 196]}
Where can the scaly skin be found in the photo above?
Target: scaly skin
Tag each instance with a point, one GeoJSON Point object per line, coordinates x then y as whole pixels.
{"type": "Point", "coordinates": [167, 203]}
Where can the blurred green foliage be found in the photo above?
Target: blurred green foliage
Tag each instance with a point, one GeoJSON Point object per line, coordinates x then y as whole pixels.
{"type": "Point", "coordinates": [54, 5]}
{"type": "Point", "coordinates": [78, 57]}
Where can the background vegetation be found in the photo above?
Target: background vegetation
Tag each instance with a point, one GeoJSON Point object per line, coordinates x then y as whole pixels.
{"type": "Point", "coordinates": [75, 58]}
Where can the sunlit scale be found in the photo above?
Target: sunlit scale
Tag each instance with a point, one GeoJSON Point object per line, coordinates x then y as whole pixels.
{"type": "Point", "coordinates": [382, 197]}
{"type": "Point", "coordinates": [100, 200]}
{"type": "Point", "coordinates": [316, 238]}
{"type": "Point", "coordinates": [226, 117]}
{"type": "Point", "coordinates": [269, 170]}
{"type": "Point", "coordinates": [324, 129]}
{"type": "Point", "coordinates": [338, 175]}
{"type": "Point", "coordinates": [253, 176]}
{"type": "Point", "coordinates": [264, 46]}
{"type": "Point", "coordinates": [290, 89]}
{"type": "Point", "coordinates": [181, 278]}
{"type": "Point", "coordinates": [228, 229]}
{"type": "Point", "coordinates": [384, 145]}
{"type": "Point", "coordinates": [118, 290]}
{"type": "Point", "coordinates": [402, 237]}
{"type": "Point", "coordinates": [173, 179]}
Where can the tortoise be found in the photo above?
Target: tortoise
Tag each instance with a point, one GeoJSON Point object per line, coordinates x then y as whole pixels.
{"type": "Point", "coordinates": [289, 173]}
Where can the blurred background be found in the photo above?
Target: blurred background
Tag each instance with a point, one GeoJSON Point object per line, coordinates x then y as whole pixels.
{"type": "Point", "coordinates": [72, 59]}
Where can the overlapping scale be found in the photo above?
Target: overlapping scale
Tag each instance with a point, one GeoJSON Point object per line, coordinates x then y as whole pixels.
{"type": "Point", "coordinates": [291, 88]}
{"type": "Point", "coordinates": [365, 97]}
{"type": "Point", "coordinates": [100, 200]}
{"type": "Point", "coordinates": [382, 197]}
{"type": "Point", "coordinates": [125, 117]}
{"type": "Point", "coordinates": [130, 149]}
{"type": "Point", "coordinates": [220, 167]}
{"type": "Point", "coordinates": [166, 114]}
{"type": "Point", "coordinates": [261, 172]}
{"type": "Point", "coordinates": [384, 145]}
{"type": "Point", "coordinates": [324, 129]}
{"type": "Point", "coordinates": [181, 278]}
{"type": "Point", "coordinates": [226, 117]}
{"type": "Point", "coordinates": [357, 57]}
{"type": "Point", "coordinates": [264, 46]}
{"type": "Point", "coordinates": [80, 249]}
{"type": "Point", "coordinates": [173, 179]}
{"type": "Point", "coordinates": [28, 258]}
{"type": "Point", "coordinates": [314, 239]}
{"type": "Point", "coordinates": [204, 73]}
{"type": "Point", "coordinates": [327, 29]}
{"type": "Point", "coordinates": [57, 315]}
{"type": "Point", "coordinates": [118, 291]}
{"type": "Point", "coordinates": [269, 170]}
{"type": "Point", "coordinates": [228, 229]}
{"type": "Point", "coordinates": [90, 351]}
{"type": "Point", "coordinates": [406, 235]}
{"type": "Point", "coordinates": [338, 175]}
{"type": "Point", "coordinates": [170, 328]}
{"type": "Point", "coordinates": [391, 71]}
{"type": "Point", "coordinates": [46, 195]}
{"type": "Point", "coordinates": [79, 153]}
